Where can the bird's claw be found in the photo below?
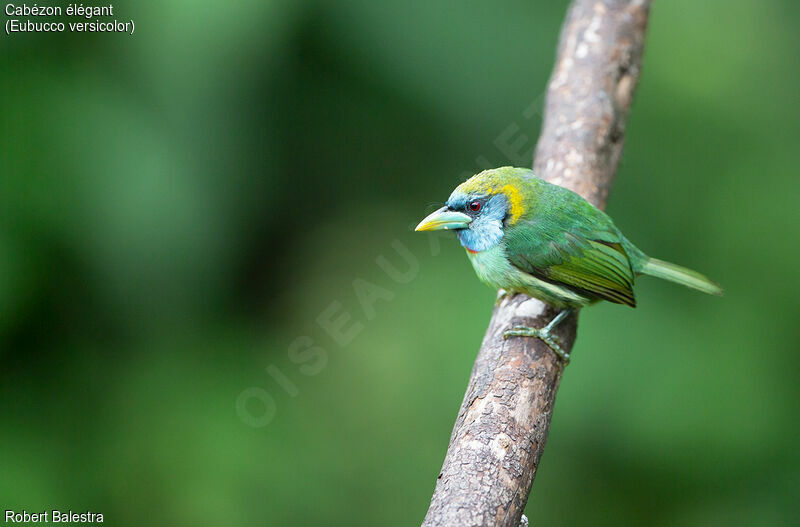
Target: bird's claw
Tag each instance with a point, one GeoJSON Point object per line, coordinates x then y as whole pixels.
{"type": "Point", "coordinates": [502, 295]}
{"type": "Point", "coordinates": [553, 341]}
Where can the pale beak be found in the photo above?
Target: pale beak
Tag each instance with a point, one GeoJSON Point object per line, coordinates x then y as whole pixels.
{"type": "Point", "coordinates": [444, 219]}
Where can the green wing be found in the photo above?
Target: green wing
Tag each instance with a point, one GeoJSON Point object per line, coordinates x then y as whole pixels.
{"type": "Point", "coordinates": [575, 245]}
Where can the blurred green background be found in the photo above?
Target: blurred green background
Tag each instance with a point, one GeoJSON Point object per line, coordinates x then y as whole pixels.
{"type": "Point", "coordinates": [179, 206]}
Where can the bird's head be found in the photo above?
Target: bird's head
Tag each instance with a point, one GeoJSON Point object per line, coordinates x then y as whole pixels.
{"type": "Point", "coordinates": [480, 208]}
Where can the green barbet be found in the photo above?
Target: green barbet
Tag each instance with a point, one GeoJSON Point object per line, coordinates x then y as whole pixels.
{"type": "Point", "coordinates": [526, 235]}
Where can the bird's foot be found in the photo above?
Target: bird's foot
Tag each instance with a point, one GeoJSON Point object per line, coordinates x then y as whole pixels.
{"type": "Point", "coordinates": [502, 295]}
{"type": "Point", "coordinates": [543, 334]}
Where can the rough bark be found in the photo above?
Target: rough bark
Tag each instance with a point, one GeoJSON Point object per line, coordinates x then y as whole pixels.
{"type": "Point", "coordinates": [503, 423]}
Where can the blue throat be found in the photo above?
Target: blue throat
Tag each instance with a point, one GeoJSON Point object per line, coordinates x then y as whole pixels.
{"type": "Point", "coordinates": [486, 230]}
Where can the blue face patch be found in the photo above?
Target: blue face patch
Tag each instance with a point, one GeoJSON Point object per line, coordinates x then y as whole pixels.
{"type": "Point", "coordinates": [486, 229]}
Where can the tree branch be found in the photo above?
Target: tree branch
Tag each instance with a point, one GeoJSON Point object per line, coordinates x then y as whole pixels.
{"type": "Point", "coordinates": [502, 426]}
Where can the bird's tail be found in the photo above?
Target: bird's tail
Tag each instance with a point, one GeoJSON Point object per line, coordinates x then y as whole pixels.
{"type": "Point", "coordinates": [680, 275]}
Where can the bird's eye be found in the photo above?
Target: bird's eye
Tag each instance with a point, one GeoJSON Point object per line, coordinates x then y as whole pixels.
{"type": "Point", "coordinates": [475, 206]}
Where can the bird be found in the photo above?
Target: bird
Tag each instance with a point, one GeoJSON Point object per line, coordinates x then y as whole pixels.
{"type": "Point", "coordinates": [525, 235]}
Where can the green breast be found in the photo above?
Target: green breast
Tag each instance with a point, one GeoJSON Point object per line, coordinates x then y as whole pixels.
{"type": "Point", "coordinates": [493, 268]}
